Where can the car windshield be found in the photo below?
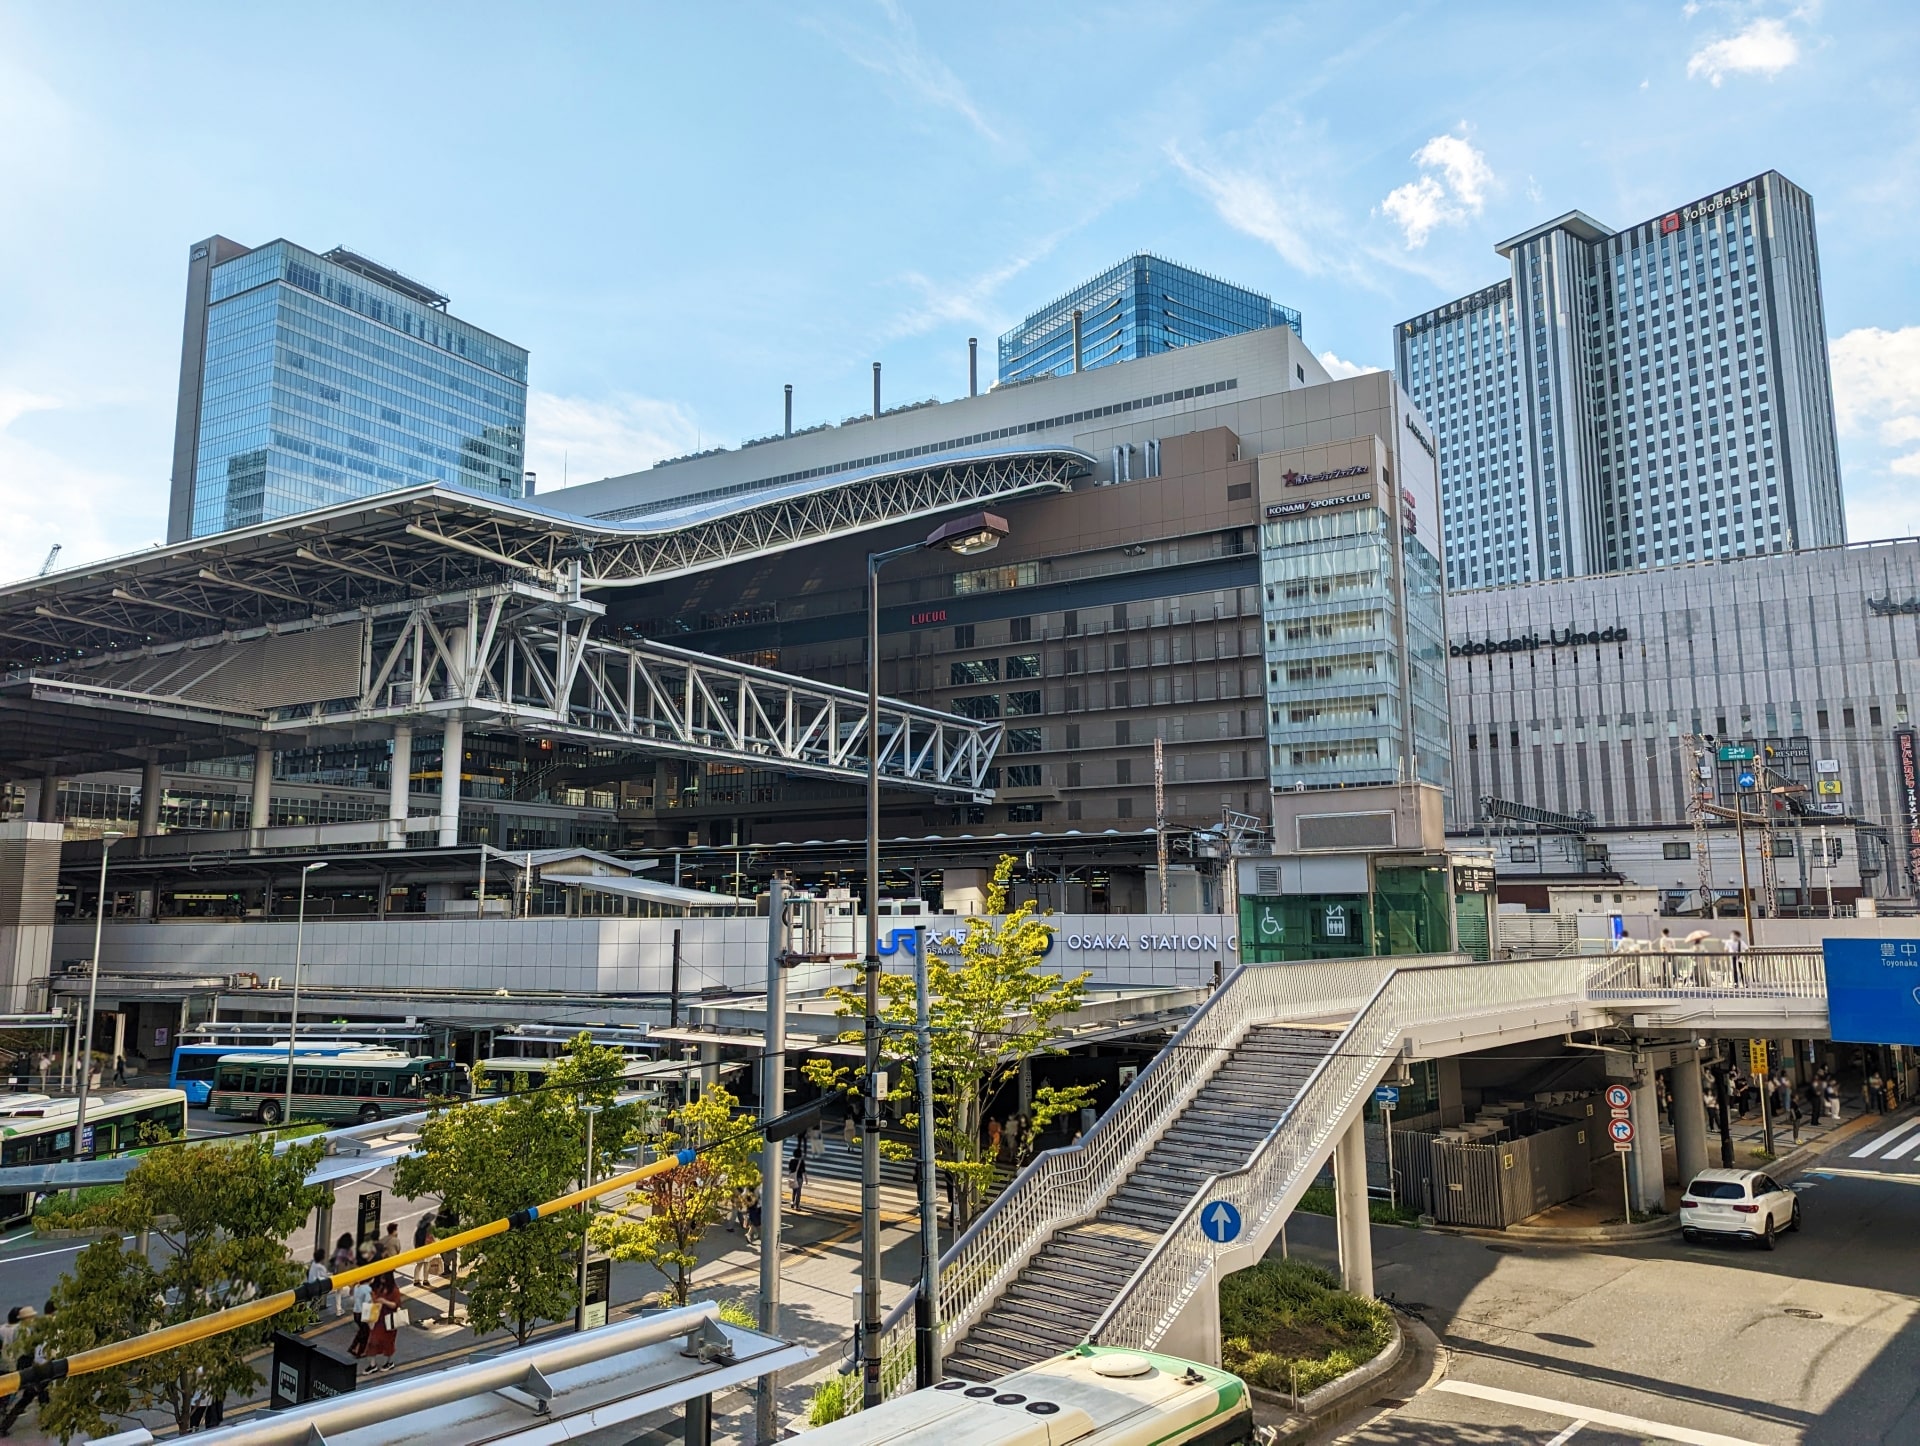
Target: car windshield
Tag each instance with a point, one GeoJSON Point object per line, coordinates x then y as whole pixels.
{"type": "Point", "coordinates": [1718, 1190]}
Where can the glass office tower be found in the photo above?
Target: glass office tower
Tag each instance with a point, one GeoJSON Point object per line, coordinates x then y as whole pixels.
{"type": "Point", "coordinates": [309, 379]}
{"type": "Point", "coordinates": [1635, 398]}
{"type": "Point", "coordinates": [1144, 305]}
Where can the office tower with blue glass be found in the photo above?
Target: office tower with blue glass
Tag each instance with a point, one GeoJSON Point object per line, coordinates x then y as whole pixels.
{"type": "Point", "coordinates": [1636, 398]}
{"type": "Point", "coordinates": [308, 379]}
{"type": "Point", "coordinates": [1143, 306]}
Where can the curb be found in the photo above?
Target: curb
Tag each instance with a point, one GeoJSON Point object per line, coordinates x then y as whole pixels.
{"type": "Point", "coordinates": [1341, 1398]}
{"type": "Point", "coordinates": [1570, 1234]}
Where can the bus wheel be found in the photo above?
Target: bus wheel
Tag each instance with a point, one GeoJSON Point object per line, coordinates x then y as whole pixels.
{"type": "Point", "coordinates": [369, 1113]}
{"type": "Point", "coordinates": [269, 1112]}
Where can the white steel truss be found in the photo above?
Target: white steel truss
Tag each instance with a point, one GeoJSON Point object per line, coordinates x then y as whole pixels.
{"type": "Point", "coordinates": [515, 657]}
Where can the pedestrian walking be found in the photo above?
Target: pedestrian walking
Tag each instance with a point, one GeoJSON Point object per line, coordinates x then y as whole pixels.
{"type": "Point", "coordinates": [317, 1267]}
{"type": "Point", "coordinates": [1666, 946]}
{"type": "Point", "coordinates": [360, 1302]}
{"type": "Point", "coordinates": [387, 1313]}
{"type": "Point", "coordinates": [993, 1141]}
{"type": "Point", "coordinates": [120, 1070]}
{"type": "Point", "coordinates": [753, 1217]}
{"type": "Point", "coordinates": [797, 1172]}
{"type": "Point", "coordinates": [423, 1236]}
{"type": "Point", "coordinates": [848, 1131]}
{"type": "Point", "coordinates": [341, 1262]}
{"type": "Point", "coordinates": [17, 1321]}
{"type": "Point", "coordinates": [46, 1068]}
{"type": "Point", "coordinates": [1736, 951]}
{"type": "Point", "coordinates": [1875, 1095]}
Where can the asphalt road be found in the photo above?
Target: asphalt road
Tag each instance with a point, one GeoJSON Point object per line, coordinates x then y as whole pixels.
{"type": "Point", "coordinates": [1712, 1343]}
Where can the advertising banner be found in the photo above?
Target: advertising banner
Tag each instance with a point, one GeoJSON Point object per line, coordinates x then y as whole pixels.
{"type": "Point", "coordinates": [1873, 990]}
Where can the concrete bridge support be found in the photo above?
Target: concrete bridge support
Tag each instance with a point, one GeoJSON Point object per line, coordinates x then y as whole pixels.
{"type": "Point", "coordinates": [1350, 1209]}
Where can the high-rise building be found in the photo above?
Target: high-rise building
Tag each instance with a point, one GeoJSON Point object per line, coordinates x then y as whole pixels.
{"type": "Point", "coordinates": [1144, 305]}
{"type": "Point", "coordinates": [1627, 399]}
{"type": "Point", "coordinates": [307, 380]}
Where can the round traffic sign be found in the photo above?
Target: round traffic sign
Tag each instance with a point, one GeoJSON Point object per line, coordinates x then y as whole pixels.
{"type": "Point", "coordinates": [1619, 1097]}
{"type": "Point", "coordinates": [1746, 780]}
{"type": "Point", "coordinates": [1622, 1132]}
{"type": "Point", "coordinates": [1220, 1222]}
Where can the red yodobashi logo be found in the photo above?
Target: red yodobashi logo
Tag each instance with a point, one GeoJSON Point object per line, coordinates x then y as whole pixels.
{"type": "Point", "coordinates": [1669, 223]}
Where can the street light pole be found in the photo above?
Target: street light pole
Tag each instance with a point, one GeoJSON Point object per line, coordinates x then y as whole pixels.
{"type": "Point", "coordinates": [926, 1309]}
{"type": "Point", "coordinates": [773, 1096]}
{"type": "Point", "coordinates": [980, 532]}
{"type": "Point", "coordinates": [107, 841]}
{"type": "Point", "coordinates": [580, 1310]}
{"type": "Point", "coordinates": [293, 1018]}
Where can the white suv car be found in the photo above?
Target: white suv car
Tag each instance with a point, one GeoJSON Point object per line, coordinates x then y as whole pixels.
{"type": "Point", "coordinates": [1746, 1203]}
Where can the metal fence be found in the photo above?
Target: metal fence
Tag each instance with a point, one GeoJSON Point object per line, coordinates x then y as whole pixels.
{"type": "Point", "coordinates": [1492, 1184]}
{"type": "Point", "coordinates": [1755, 973]}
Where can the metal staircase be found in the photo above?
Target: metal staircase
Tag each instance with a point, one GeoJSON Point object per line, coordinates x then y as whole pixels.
{"type": "Point", "coordinates": [1072, 1280]}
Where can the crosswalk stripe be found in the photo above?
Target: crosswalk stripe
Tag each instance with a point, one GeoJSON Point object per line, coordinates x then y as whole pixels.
{"type": "Point", "coordinates": [1891, 1135]}
{"type": "Point", "coordinates": [1903, 1149]}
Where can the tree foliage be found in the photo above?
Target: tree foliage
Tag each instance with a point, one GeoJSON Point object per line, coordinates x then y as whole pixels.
{"type": "Point", "coordinates": [992, 1009]}
{"type": "Point", "coordinates": [684, 1203]}
{"type": "Point", "coordinates": [484, 1161]}
{"type": "Point", "coordinates": [220, 1214]}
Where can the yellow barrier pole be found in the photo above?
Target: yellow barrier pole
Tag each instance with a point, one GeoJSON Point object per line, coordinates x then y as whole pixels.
{"type": "Point", "coordinates": [167, 1338]}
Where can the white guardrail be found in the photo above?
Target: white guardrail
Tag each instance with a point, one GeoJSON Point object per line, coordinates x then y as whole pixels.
{"type": "Point", "coordinates": [1384, 998]}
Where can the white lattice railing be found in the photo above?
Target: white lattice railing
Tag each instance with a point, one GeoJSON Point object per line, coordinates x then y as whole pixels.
{"type": "Point", "coordinates": [1756, 973]}
{"type": "Point", "coordinates": [1067, 1185]}
{"type": "Point", "coordinates": [1284, 1164]}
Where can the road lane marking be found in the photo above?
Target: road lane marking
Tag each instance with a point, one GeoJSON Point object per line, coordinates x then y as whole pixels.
{"type": "Point", "coordinates": [1568, 1434]}
{"type": "Point", "coordinates": [1891, 1177]}
{"type": "Point", "coordinates": [1901, 1150]}
{"type": "Point", "coordinates": [64, 1250]}
{"type": "Point", "coordinates": [1586, 1415]}
{"type": "Point", "coordinates": [1891, 1135]}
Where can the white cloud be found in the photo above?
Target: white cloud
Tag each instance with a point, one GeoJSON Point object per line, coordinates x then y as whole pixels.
{"type": "Point", "coordinates": [1254, 206]}
{"type": "Point", "coordinates": [1766, 47]}
{"type": "Point", "coordinates": [582, 439]}
{"type": "Point", "coordinates": [899, 56]}
{"type": "Point", "coordinates": [1876, 403]}
{"type": "Point", "coordinates": [45, 498]}
{"type": "Point", "coordinates": [1338, 367]}
{"type": "Point", "coordinates": [1457, 192]}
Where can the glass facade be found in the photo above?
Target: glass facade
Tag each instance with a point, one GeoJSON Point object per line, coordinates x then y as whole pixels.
{"type": "Point", "coordinates": [1143, 306]}
{"type": "Point", "coordinates": [1637, 398]}
{"type": "Point", "coordinates": [1357, 658]}
{"type": "Point", "coordinates": [322, 383]}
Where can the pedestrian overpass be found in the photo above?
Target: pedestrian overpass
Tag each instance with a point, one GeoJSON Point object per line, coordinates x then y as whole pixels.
{"type": "Point", "coordinates": [1264, 1085]}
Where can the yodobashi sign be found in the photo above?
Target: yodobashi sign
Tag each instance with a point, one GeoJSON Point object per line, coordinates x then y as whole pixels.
{"type": "Point", "coordinates": [1873, 990]}
{"type": "Point", "coordinates": [1529, 642]}
{"type": "Point", "coordinates": [1907, 752]}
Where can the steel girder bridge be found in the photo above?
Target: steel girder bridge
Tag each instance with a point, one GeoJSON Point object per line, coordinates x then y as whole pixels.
{"type": "Point", "coordinates": [434, 606]}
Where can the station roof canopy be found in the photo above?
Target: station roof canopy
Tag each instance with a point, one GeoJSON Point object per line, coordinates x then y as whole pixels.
{"type": "Point", "coordinates": [431, 540]}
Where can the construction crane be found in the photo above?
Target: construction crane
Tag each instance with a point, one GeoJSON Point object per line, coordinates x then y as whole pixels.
{"type": "Point", "coordinates": [53, 556]}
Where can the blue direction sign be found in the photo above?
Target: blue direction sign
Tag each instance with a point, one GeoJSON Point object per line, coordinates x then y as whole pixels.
{"type": "Point", "coordinates": [1873, 990]}
{"type": "Point", "coordinates": [1746, 780]}
{"type": "Point", "coordinates": [1220, 1222]}
{"type": "Point", "coordinates": [1387, 1095]}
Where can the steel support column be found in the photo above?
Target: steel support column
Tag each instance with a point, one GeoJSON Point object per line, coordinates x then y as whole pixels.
{"type": "Point", "coordinates": [399, 785]}
{"type": "Point", "coordinates": [452, 750]}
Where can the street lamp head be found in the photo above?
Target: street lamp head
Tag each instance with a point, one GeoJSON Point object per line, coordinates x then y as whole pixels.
{"type": "Point", "coordinates": [316, 864]}
{"type": "Point", "coordinates": [968, 536]}
{"type": "Point", "coordinates": [110, 837]}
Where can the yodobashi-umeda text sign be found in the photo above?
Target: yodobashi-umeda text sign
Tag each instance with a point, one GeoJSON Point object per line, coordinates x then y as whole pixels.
{"type": "Point", "coordinates": [1873, 990]}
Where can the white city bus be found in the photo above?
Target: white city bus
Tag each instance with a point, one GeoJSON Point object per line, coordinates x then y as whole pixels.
{"type": "Point", "coordinates": [38, 1130]}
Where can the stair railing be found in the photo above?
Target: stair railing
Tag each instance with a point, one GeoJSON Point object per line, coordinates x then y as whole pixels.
{"type": "Point", "coordinates": [1281, 1167]}
{"type": "Point", "coordinates": [1067, 1185]}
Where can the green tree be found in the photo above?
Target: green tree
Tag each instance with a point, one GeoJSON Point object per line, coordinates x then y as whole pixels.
{"type": "Point", "coordinates": [687, 1201]}
{"type": "Point", "coordinates": [992, 1010]}
{"type": "Point", "coordinates": [484, 1161]}
{"type": "Point", "coordinates": [221, 1214]}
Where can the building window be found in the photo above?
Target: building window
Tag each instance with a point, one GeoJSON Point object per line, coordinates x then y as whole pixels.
{"type": "Point", "coordinates": [1074, 773]}
{"type": "Point", "coordinates": [1023, 740]}
{"type": "Point", "coordinates": [1124, 808]}
{"type": "Point", "coordinates": [1676, 850]}
{"type": "Point", "coordinates": [1873, 714]}
{"type": "Point", "coordinates": [1023, 705]}
{"type": "Point", "coordinates": [1073, 808]}
{"type": "Point", "coordinates": [1019, 630]}
{"type": "Point", "coordinates": [1023, 775]}
{"type": "Point", "coordinates": [975, 670]}
{"type": "Point", "coordinates": [1846, 717]}
{"type": "Point", "coordinates": [1023, 665]}
{"type": "Point", "coordinates": [1073, 734]}
{"type": "Point", "coordinates": [1522, 853]}
{"type": "Point", "coordinates": [963, 635]}
{"type": "Point", "coordinates": [1820, 719]}
{"type": "Point", "coordinates": [1123, 732]}
{"type": "Point", "coordinates": [1123, 770]}
{"type": "Point", "coordinates": [1024, 813]}
{"type": "Point", "coordinates": [979, 705]}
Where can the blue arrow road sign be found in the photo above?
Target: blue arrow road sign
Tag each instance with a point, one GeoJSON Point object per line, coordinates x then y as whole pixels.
{"type": "Point", "coordinates": [1220, 1222]}
{"type": "Point", "coordinates": [1388, 1095]}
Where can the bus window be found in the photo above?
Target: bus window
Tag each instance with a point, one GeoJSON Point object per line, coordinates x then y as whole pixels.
{"type": "Point", "coordinates": [333, 1082]}
{"type": "Point", "coordinates": [250, 1083]}
{"type": "Point", "coordinates": [383, 1086]}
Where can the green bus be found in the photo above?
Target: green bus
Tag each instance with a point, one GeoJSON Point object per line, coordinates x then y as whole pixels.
{"type": "Point", "coordinates": [38, 1130]}
{"type": "Point", "coordinates": [362, 1085]}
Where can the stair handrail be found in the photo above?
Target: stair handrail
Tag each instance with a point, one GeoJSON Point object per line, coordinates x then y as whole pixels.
{"type": "Point", "coordinates": [1769, 973]}
{"type": "Point", "coordinates": [1280, 1168]}
{"type": "Point", "coordinates": [1066, 1184]}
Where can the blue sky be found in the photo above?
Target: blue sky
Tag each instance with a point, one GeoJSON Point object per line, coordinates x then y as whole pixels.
{"type": "Point", "coordinates": [679, 209]}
